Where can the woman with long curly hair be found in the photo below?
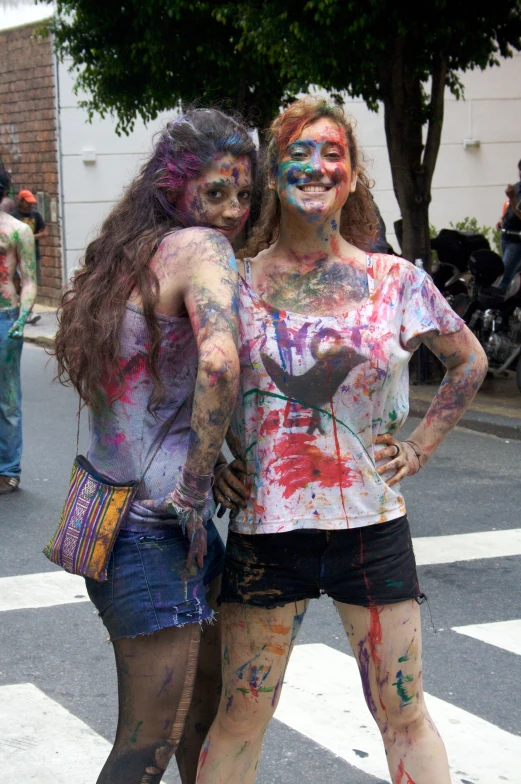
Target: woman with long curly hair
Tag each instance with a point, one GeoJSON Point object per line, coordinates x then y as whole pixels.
{"type": "Point", "coordinates": [326, 334]}
{"type": "Point", "coordinates": [147, 336]}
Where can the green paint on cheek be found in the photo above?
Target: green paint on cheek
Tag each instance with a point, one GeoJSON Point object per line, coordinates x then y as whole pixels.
{"type": "Point", "coordinates": [400, 683]}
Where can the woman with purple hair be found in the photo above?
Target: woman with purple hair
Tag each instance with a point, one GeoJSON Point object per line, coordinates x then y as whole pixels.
{"type": "Point", "coordinates": [148, 338]}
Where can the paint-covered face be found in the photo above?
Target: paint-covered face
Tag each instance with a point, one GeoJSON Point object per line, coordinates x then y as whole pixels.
{"type": "Point", "coordinates": [314, 176]}
{"type": "Point", "coordinates": [220, 197]}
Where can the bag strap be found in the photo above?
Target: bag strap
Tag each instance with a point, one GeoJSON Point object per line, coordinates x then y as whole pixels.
{"type": "Point", "coordinates": [78, 428]}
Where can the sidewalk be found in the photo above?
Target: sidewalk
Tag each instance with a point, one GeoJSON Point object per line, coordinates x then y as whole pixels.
{"type": "Point", "coordinates": [496, 409]}
{"type": "Point", "coordinates": [44, 331]}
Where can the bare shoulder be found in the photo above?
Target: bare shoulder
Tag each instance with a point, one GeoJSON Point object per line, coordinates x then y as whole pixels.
{"type": "Point", "coordinates": [194, 245]}
{"type": "Point", "coordinates": [387, 264]}
{"type": "Point", "coordinates": [14, 229]}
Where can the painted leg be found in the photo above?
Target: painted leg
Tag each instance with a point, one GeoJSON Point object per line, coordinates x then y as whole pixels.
{"type": "Point", "coordinates": [155, 680]}
{"type": "Point", "coordinates": [206, 693]}
{"type": "Point", "coordinates": [256, 647]}
{"type": "Point", "coordinates": [388, 647]}
{"type": "Point", "coordinates": [10, 401]}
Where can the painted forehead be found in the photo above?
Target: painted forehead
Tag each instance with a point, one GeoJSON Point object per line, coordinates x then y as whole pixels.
{"type": "Point", "coordinates": [322, 132]}
{"type": "Point", "coordinates": [225, 167]}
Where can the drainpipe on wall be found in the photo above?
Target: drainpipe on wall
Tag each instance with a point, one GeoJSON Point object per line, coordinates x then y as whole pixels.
{"type": "Point", "coordinates": [61, 198]}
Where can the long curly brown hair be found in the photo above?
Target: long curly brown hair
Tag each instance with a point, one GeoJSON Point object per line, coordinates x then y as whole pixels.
{"type": "Point", "coordinates": [117, 262]}
{"type": "Point", "coordinates": [358, 221]}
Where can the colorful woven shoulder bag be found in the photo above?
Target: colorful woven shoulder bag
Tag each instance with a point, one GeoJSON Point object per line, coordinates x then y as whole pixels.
{"type": "Point", "coordinates": [92, 516]}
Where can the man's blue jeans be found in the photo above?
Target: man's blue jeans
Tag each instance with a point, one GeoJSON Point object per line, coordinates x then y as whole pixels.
{"type": "Point", "coordinates": [511, 252]}
{"type": "Point", "coordinates": [10, 396]}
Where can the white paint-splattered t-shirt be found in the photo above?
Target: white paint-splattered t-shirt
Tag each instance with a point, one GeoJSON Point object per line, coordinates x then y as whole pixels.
{"type": "Point", "coordinates": [316, 391]}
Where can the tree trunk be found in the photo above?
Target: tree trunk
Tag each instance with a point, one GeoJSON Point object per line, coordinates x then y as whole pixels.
{"type": "Point", "coordinates": [412, 165]}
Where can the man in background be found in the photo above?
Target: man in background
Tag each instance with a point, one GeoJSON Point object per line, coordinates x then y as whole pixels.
{"type": "Point", "coordinates": [510, 225]}
{"type": "Point", "coordinates": [17, 255]}
{"type": "Point", "coordinates": [27, 213]}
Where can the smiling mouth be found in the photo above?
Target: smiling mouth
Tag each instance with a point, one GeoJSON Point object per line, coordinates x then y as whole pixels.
{"type": "Point", "coordinates": [226, 229]}
{"type": "Point", "coordinates": [313, 188]}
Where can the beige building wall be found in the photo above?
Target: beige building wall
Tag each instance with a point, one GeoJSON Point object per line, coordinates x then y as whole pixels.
{"type": "Point", "coordinates": [468, 181]}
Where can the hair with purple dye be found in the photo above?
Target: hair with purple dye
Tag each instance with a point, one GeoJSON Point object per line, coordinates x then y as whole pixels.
{"type": "Point", "coordinates": [187, 146]}
{"type": "Point", "coordinates": [117, 261]}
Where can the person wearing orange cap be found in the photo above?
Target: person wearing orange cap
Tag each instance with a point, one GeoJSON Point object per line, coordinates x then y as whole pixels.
{"type": "Point", "coordinates": [27, 213]}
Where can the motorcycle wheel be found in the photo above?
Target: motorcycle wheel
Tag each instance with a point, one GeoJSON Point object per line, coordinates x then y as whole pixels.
{"type": "Point", "coordinates": [518, 374]}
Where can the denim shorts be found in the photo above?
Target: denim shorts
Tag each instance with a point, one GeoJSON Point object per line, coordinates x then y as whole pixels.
{"type": "Point", "coordinates": [369, 566]}
{"type": "Point", "coordinates": [148, 586]}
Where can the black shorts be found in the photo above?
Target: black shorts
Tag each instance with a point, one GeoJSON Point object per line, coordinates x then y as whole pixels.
{"type": "Point", "coordinates": [367, 566]}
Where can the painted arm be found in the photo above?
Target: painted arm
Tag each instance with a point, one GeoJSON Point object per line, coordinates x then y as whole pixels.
{"type": "Point", "coordinates": [24, 242]}
{"type": "Point", "coordinates": [210, 297]}
{"type": "Point", "coordinates": [211, 301]}
{"type": "Point", "coordinates": [466, 364]}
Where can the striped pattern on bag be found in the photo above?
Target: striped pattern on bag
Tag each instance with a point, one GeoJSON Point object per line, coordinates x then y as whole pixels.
{"type": "Point", "coordinates": [89, 523]}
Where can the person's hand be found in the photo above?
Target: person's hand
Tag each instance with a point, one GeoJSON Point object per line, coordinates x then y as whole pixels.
{"type": "Point", "coordinates": [229, 489]}
{"type": "Point", "coordinates": [399, 457]}
{"type": "Point", "coordinates": [196, 533]}
{"type": "Point", "coordinates": [499, 224]}
{"type": "Point", "coordinates": [17, 330]}
{"type": "Point", "coordinates": [189, 518]}
{"type": "Point", "coordinates": [510, 191]}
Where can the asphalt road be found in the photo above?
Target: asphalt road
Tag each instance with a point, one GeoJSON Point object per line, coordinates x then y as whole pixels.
{"type": "Point", "coordinates": [472, 485]}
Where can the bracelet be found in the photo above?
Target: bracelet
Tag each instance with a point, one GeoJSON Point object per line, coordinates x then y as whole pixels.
{"type": "Point", "coordinates": [197, 483]}
{"type": "Point", "coordinates": [416, 451]}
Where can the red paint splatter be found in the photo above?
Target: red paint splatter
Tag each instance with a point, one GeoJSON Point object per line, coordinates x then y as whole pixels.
{"type": "Point", "coordinates": [300, 462]}
{"type": "Point", "coordinates": [375, 633]}
{"type": "Point", "coordinates": [271, 424]}
{"type": "Point", "coordinates": [127, 372]}
{"type": "Point", "coordinates": [375, 638]}
{"type": "Point", "coordinates": [114, 440]}
{"type": "Point", "coordinates": [401, 773]}
{"type": "Point", "coordinates": [204, 754]}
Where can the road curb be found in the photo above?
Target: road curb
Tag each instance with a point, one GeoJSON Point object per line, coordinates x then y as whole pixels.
{"type": "Point", "coordinates": [39, 340]}
{"type": "Point", "coordinates": [496, 425]}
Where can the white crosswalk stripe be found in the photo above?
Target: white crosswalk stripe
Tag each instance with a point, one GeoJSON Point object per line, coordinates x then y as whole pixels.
{"type": "Point", "coordinates": [48, 589]}
{"type": "Point", "coordinates": [323, 699]}
{"type": "Point", "coordinates": [466, 547]}
{"type": "Point", "coordinates": [502, 634]}
{"type": "Point", "coordinates": [42, 742]}
{"type": "Point", "coordinates": [52, 588]}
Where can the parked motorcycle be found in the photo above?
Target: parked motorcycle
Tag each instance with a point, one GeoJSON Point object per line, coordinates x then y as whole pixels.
{"type": "Point", "coordinates": [495, 316]}
{"type": "Point", "coordinates": [468, 273]}
{"type": "Point", "coordinates": [451, 272]}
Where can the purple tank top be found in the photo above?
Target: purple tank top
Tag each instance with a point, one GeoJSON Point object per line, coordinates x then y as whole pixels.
{"type": "Point", "coordinates": [123, 438]}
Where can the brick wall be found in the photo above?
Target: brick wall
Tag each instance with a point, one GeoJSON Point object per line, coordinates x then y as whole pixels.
{"type": "Point", "coordinates": [28, 136]}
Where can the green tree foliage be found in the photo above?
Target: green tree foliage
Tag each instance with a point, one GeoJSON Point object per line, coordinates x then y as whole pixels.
{"type": "Point", "coordinates": [142, 56]}
{"type": "Point", "coordinates": [138, 57]}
